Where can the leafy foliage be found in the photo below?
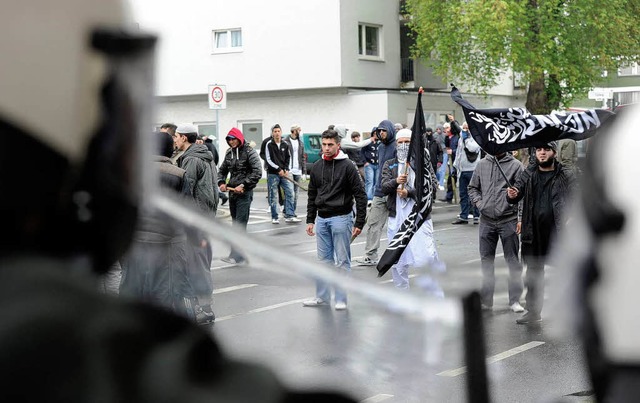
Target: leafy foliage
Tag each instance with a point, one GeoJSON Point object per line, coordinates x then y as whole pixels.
{"type": "Point", "coordinates": [559, 47]}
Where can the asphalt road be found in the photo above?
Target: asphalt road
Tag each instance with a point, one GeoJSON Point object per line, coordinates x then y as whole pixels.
{"type": "Point", "coordinates": [372, 351]}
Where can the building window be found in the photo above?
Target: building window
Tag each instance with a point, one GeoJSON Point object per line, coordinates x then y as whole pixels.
{"type": "Point", "coordinates": [629, 70]}
{"type": "Point", "coordinates": [369, 43]}
{"type": "Point", "coordinates": [227, 40]}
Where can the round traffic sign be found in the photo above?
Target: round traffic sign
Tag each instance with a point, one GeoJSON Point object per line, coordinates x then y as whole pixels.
{"type": "Point", "coordinates": [217, 94]}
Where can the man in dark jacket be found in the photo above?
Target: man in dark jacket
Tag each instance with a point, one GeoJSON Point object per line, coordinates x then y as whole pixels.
{"type": "Point", "coordinates": [335, 182]}
{"type": "Point", "coordinates": [243, 163]}
{"type": "Point", "coordinates": [197, 160]}
{"type": "Point", "coordinates": [379, 213]}
{"type": "Point", "coordinates": [498, 220]}
{"type": "Point", "coordinates": [155, 266]}
{"type": "Point", "coordinates": [544, 189]}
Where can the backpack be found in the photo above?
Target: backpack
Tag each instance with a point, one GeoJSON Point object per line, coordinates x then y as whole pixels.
{"type": "Point", "coordinates": [471, 156]}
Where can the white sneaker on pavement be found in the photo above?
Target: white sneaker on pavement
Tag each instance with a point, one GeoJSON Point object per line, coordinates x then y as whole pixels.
{"type": "Point", "coordinates": [516, 307]}
{"type": "Point", "coordinates": [292, 220]}
{"type": "Point", "coordinates": [341, 306]}
{"type": "Point", "coordinates": [315, 302]}
{"type": "Point", "coordinates": [275, 221]}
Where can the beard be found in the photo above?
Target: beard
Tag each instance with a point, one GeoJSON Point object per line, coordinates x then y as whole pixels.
{"type": "Point", "coordinates": [545, 164]}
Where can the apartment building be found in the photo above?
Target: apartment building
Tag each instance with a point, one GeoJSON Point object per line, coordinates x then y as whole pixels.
{"type": "Point", "coordinates": [312, 62]}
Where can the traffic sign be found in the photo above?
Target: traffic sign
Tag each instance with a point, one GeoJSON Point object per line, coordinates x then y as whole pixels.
{"type": "Point", "coordinates": [217, 96]}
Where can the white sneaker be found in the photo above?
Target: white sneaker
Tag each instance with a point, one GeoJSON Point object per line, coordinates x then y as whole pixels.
{"type": "Point", "coordinates": [369, 203]}
{"type": "Point", "coordinates": [292, 220]}
{"type": "Point", "coordinates": [516, 307]}
{"type": "Point", "coordinates": [275, 221]}
{"type": "Point", "coordinates": [315, 302]}
{"type": "Point", "coordinates": [440, 187]}
{"type": "Point", "coordinates": [341, 306]}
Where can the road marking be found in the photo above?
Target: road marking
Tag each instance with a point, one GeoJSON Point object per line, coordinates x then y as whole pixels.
{"type": "Point", "coordinates": [477, 260]}
{"type": "Point", "coordinates": [285, 226]}
{"type": "Point", "coordinates": [258, 310]}
{"type": "Point", "coordinates": [377, 398]}
{"type": "Point", "coordinates": [495, 358]}
{"type": "Point", "coordinates": [234, 288]}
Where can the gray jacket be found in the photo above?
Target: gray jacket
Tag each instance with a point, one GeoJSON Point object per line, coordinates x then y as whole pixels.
{"type": "Point", "coordinates": [488, 189]}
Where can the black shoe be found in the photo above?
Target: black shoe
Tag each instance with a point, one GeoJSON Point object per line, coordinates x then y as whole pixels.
{"type": "Point", "coordinates": [446, 200]}
{"type": "Point", "coordinates": [460, 221]}
{"type": "Point", "coordinates": [204, 316]}
{"type": "Point", "coordinates": [476, 221]}
{"type": "Point", "coordinates": [225, 200]}
{"type": "Point", "coordinates": [529, 317]}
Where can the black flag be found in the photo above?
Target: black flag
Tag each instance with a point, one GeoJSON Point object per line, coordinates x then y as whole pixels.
{"type": "Point", "coordinates": [507, 129]}
{"type": "Point", "coordinates": [419, 160]}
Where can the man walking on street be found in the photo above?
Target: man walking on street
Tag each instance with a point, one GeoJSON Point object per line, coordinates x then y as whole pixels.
{"type": "Point", "coordinates": [498, 220]}
{"type": "Point", "coordinates": [370, 155]}
{"type": "Point", "coordinates": [334, 184]}
{"type": "Point", "coordinates": [544, 188]}
{"type": "Point", "coordinates": [243, 163]}
{"type": "Point", "coordinates": [379, 212]}
{"type": "Point", "coordinates": [467, 157]}
{"type": "Point", "coordinates": [277, 157]}
{"type": "Point", "coordinates": [197, 160]}
{"type": "Point", "coordinates": [297, 161]}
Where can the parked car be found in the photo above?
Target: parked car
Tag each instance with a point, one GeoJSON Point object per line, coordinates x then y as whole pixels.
{"type": "Point", "coordinates": [312, 148]}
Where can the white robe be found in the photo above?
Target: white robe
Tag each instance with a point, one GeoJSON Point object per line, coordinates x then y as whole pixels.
{"type": "Point", "coordinates": [421, 253]}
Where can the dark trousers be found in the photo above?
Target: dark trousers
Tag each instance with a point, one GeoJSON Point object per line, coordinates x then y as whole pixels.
{"type": "Point", "coordinates": [452, 176]}
{"type": "Point", "coordinates": [534, 281]}
{"type": "Point", "coordinates": [489, 234]}
{"type": "Point", "coordinates": [465, 203]}
{"type": "Point", "coordinates": [239, 207]}
{"type": "Point", "coordinates": [199, 267]}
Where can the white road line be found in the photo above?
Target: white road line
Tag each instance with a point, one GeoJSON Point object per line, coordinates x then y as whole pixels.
{"type": "Point", "coordinates": [286, 225]}
{"type": "Point", "coordinates": [495, 358]}
{"type": "Point", "coordinates": [377, 398]}
{"type": "Point", "coordinates": [477, 260]}
{"type": "Point", "coordinates": [234, 288]}
{"type": "Point", "coordinates": [258, 310]}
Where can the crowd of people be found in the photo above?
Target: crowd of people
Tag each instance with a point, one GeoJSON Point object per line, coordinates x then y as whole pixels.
{"type": "Point", "coordinates": [361, 186]}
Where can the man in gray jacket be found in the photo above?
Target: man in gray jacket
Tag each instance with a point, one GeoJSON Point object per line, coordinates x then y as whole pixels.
{"type": "Point", "coordinates": [197, 160]}
{"type": "Point", "coordinates": [499, 219]}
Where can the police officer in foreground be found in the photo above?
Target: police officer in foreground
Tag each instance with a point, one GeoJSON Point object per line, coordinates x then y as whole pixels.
{"type": "Point", "coordinates": [73, 116]}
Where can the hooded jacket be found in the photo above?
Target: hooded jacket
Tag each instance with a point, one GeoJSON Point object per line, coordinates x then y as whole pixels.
{"type": "Point", "coordinates": [488, 189]}
{"type": "Point", "coordinates": [332, 188]}
{"type": "Point", "coordinates": [386, 150]}
{"type": "Point", "coordinates": [198, 162]}
{"type": "Point", "coordinates": [242, 163]}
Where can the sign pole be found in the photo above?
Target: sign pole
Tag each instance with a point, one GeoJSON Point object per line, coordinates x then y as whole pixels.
{"type": "Point", "coordinates": [217, 100]}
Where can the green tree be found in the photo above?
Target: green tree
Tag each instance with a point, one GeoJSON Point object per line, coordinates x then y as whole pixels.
{"type": "Point", "coordinates": [559, 47]}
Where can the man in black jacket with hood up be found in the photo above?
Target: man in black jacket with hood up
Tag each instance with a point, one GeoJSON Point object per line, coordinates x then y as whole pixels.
{"type": "Point", "coordinates": [243, 163]}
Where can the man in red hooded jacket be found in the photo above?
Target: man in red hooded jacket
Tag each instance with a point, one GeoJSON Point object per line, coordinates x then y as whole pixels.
{"type": "Point", "coordinates": [242, 163]}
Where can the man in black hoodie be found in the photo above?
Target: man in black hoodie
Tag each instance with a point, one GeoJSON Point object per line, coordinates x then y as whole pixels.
{"type": "Point", "coordinates": [335, 182]}
{"type": "Point", "coordinates": [379, 213]}
{"type": "Point", "coordinates": [243, 163]}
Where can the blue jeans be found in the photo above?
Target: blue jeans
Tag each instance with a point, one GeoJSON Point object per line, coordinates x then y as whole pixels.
{"type": "Point", "coordinates": [273, 181]}
{"type": "Point", "coordinates": [370, 179]}
{"type": "Point", "coordinates": [465, 204]}
{"type": "Point", "coordinates": [443, 169]}
{"type": "Point", "coordinates": [333, 237]}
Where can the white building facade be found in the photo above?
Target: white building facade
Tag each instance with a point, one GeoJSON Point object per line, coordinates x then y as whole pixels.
{"type": "Point", "coordinates": [312, 63]}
